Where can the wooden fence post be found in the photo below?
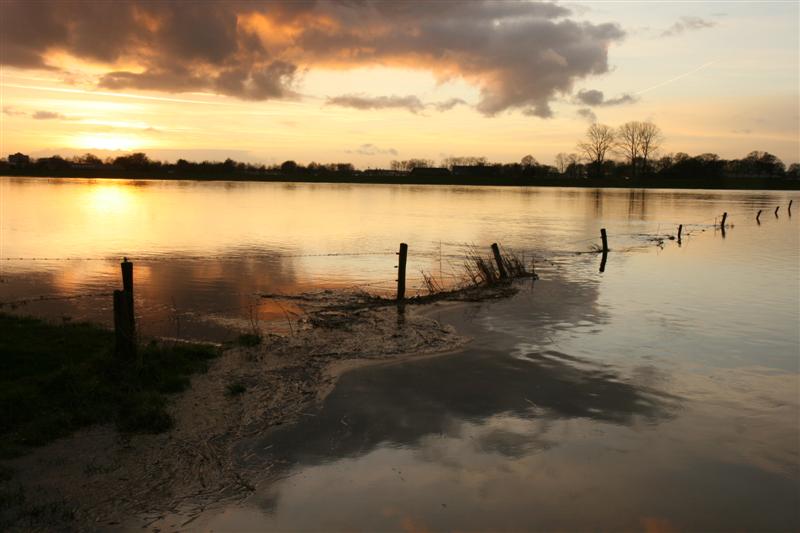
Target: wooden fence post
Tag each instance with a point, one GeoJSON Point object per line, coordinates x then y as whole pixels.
{"type": "Point", "coordinates": [499, 260]}
{"type": "Point", "coordinates": [776, 211]}
{"type": "Point", "coordinates": [127, 286]}
{"type": "Point", "coordinates": [401, 272]}
{"type": "Point", "coordinates": [604, 238]}
{"type": "Point", "coordinates": [680, 230]}
{"type": "Point", "coordinates": [758, 215]}
{"type": "Point", "coordinates": [790, 207]}
{"type": "Point", "coordinates": [724, 217]}
{"type": "Point", "coordinates": [125, 341]}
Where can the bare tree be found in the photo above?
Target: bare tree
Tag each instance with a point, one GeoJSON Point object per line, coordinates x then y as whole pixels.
{"type": "Point", "coordinates": [599, 140]}
{"type": "Point", "coordinates": [562, 161]}
{"type": "Point", "coordinates": [471, 161]}
{"type": "Point", "coordinates": [628, 143]}
{"type": "Point", "coordinates": [410, 164]}
{"type": "Point", "coordinates": [529, 161]}
{"type": "Point", "coordinates": [650, 139]}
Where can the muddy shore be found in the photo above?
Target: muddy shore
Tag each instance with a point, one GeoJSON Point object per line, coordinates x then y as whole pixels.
{"type": "Point", "coordinates": [100, 479]}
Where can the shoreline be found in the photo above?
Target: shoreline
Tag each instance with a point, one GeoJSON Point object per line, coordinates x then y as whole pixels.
{"type": "Point", "coordinates": [130, 481]}
{"type": "Point", "coordinates": [728, 183]}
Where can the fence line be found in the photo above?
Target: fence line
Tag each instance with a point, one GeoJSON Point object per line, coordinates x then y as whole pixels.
{"type": "Point", "coordinates": [124, 315]}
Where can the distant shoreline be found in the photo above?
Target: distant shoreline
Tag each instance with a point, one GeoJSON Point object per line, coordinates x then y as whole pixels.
{"type": "Point", "coordinates": [727, 183]}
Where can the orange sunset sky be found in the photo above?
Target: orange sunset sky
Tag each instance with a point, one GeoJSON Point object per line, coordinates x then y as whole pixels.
{"type": "Point", "coordinates": [368, 82]}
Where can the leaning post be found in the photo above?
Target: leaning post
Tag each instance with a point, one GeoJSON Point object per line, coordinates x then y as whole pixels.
{"type": "Point", "coordinates": [724, 217]}
{"type": "Point", "coordinates": [401, 272]}
{"type": "Point", "coordinates": [499, 260]}
{"type": "Point", "coordinates": [758, 215]}
{"type": "Point", "coordinates": [604, 239]}
{"type": "Point", "coordinates": [776, 211]}
{"type": "Point", "coordinates": [790, 207]}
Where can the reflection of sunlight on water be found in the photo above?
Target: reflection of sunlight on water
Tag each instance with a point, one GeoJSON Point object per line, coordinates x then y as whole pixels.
{"type": "Point", "coordinates": [109, 198]}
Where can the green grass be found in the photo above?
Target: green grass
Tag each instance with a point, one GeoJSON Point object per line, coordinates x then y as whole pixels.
{"type": "Point", "coordinates": [55, 379]}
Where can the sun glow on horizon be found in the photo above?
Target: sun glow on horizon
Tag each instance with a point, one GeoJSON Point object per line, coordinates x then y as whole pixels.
{"type": "Point", "coordinates": [106, 141]}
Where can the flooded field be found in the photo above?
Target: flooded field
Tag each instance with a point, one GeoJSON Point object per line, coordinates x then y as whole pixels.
{"type": "Point", "coordinates": [661, 394]}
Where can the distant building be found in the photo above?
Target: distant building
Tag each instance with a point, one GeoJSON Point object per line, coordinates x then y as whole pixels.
{"type": "Point", "coordinates": [429, 172]}
{"type": "Point", "coordinates": [19, 160]}
{"type": "Point", "coordinates": [383, 173]}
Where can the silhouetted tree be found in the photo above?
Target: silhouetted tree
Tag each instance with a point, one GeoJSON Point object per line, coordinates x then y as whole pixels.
{"type": "Point", "coordinates": [87, 159]}
{"type": "Point", "coordinates": [599, 140]}
{"type": "Point", "coordinates": [529, 161]}
{"type": "Point", "coordinates": [411, 164]}
{"type": "Point", "coordinates": [650, 140]}
{"type": "Point", "coordinates": [628, 143]}
{"type": "Point", "coordinates": [19, 160]}
{"type": "Point", "coordinates": [135, 161]}
{"type": "Point", "coordinates": [289, 167]}
{"type": "Point", "coordinates": [471, 161]}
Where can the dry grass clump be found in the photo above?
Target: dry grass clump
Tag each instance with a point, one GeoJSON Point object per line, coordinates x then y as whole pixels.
{"type": "Point", "coordinates": [480, 270]}
{"type": "Point", "coordinates": [431, 284]}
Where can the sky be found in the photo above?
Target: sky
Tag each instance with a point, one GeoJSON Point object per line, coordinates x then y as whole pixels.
{"type": "Point", "coordinates": [368, 82]}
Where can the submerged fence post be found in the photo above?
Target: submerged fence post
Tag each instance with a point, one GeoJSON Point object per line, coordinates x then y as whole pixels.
{"type": "Point", "coordinates": [604, 238]}
{"type": "Point", "coordinates": [758, 215]}
{"type": "Point", "coordinates": [499, 260]}
{"type": "Point", "coordinates": [776, 211]}
{"type": "Point", "coordinates": [680, 230]}
{"type": "Point", "coordinates": [724, 217]}
{"type": "Point", "coordinates": [401, 272]}
{"type": "Point", "coordinates": [790, 207]}
{"type": "Point", "coordinates": [127, 286]}
{"type": "Point", "coordinates": [603, 261]}
{"type": "Point", "coordinates": [125, 341]}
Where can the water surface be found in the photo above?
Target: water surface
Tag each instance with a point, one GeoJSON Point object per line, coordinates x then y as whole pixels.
{"type": "Point", "coordinates": [659, 395]}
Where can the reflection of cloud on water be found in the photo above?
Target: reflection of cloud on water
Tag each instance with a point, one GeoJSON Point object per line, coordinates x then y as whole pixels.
{"type": "Point", "coordinates": [167, 290]}
{"type": "Point", "coordinates": [408, 404]}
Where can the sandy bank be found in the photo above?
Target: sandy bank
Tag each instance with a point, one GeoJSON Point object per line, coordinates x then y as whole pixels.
{"type": "Point", "coordinates": [98, 478]}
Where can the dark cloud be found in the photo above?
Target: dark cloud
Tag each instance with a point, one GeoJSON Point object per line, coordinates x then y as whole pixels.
{"type": "Point", "coordinates": [594, 98]}
{"type": "Point", "coordinates": [447, 105]}
{"type": "Point", "coordinates": [541, 110]}
{"type": "Point", "coordinates": [588, 114]}
{"type": "Point", "coordinates": [409, 103]}
{"type": "Point", "coordinates": [519, 55]}
{"type": "Point", "coordinates": [685, 24]}
{"type": "Point", "coordinates": [356, 101]}
{"type": "Point", "coordinates": [371, 149]}
{"type": "Point", "coordinates": [10, 111]}
{"type": "Point", "coordinates": [47, 115]}
{"type": "Point", "coordinates": [260, 83]}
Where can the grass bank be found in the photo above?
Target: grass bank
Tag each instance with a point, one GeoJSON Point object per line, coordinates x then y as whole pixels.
{"type": "Point", "coordinates": [55, 379]}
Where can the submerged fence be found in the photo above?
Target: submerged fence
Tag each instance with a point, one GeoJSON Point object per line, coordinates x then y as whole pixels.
{"type": "Point", "coordinates": [125, 316]}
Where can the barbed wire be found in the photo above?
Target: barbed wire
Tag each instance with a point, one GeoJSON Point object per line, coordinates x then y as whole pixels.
{"type": "Point", "coordinates": [198, 257]}
{"type": "Point", "coordinates": [708, 222]}
{"type": "Point", "coordinates": [52, 297]}
{"type": "Point", "coordinates": [387, 285]}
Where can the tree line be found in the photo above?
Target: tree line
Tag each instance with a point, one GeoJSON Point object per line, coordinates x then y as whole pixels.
{"type": "Point", "coordinates": [638, 144]}
{"type": "Point", "coordinates": [631, 152]}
